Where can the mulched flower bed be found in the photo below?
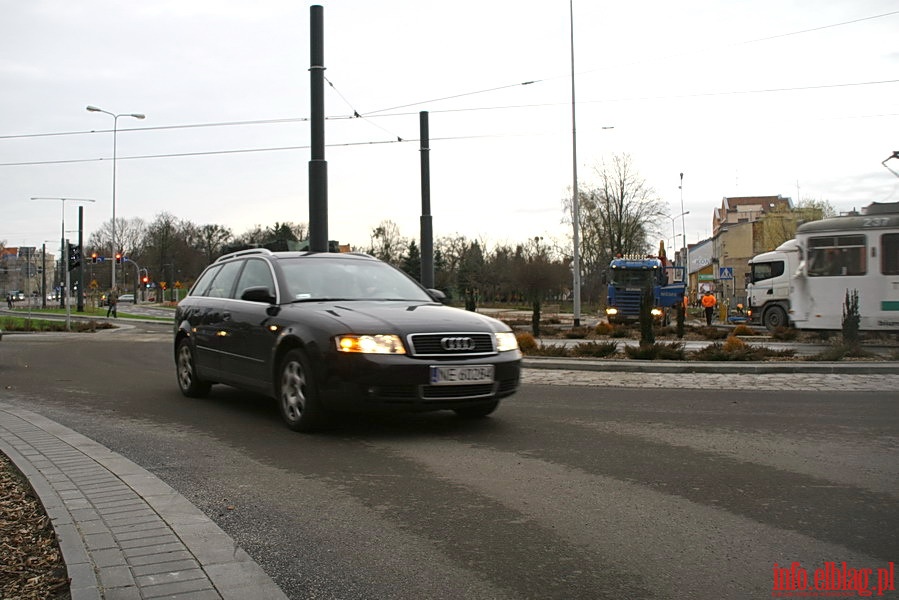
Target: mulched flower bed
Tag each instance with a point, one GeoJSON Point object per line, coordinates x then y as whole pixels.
{"type": "Point", "coordinates": [31, 565]}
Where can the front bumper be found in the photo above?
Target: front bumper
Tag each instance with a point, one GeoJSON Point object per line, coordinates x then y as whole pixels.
{"type": "Point", "coordinates": [400, 383]}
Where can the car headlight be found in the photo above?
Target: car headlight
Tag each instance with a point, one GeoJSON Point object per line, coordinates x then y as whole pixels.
{"type": "Point", "coordinates": [611, 311]}
{"type": "Point", "coordinates": [370, 344]}
{"type": "Point", "coordinates": [656, 312]}
{"type": "Point", "coordinates": [505, 341]}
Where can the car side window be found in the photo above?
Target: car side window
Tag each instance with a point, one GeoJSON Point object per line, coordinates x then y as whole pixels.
{"type": "Point", "coordinates": [202, 285]}
{"type": "Point", "coordinates": [223, 284]}
{"type": "Point", "coordinates": [256, 273]}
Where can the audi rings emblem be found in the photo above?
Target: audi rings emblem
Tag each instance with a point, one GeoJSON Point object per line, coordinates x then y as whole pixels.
{"type": "Point", "coordinates": [457, 343]}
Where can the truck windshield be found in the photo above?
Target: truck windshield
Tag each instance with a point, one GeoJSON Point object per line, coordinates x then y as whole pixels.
{"type": "Point", "coordinates": [767, 270]}
{"type": "Point", "coordinates": [635, 278]}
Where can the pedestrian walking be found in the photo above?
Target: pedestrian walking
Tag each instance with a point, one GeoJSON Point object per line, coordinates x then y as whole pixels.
{"type": "Point", "coordinates": [708, 304]}
{"type": "Point", "coordinates": [9, 301]}
{"type": "Point", "coordinates": [112, 299]}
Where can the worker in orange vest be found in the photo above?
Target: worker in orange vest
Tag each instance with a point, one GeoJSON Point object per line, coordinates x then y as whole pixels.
{"type": "Point", "coordinates": [708, 303]}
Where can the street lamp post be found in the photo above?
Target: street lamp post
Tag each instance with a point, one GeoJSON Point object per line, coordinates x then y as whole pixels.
{"type": "Point", "coordinates": [673, 234]}
{"type": "Point", "coordinates": [683, 223]}
{"type": "Point", "coordinates": [575, 201]}
{"type": "Point", "coordinates": [64, 252]}
{"type": "Point", "coordinates": [115, 129]}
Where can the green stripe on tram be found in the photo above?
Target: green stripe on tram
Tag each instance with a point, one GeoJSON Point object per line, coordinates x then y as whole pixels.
{"type": "Point", "coordinates": [889, 305]}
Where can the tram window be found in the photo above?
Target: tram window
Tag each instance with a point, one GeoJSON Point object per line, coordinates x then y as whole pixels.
{"type": "Point", "coordinates": [889, 254]}
{"type": "Point", "coordinates": [837, 256]}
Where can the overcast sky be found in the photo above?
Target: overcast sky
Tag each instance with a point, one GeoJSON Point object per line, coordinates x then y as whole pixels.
{"type": "Point", "coordinates": [792, 97]}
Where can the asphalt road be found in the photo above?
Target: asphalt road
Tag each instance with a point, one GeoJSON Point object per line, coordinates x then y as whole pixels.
{"type": "Point", "coordinates": [571, 491]}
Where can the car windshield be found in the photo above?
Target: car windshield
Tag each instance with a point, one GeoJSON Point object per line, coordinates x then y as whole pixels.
{"type": "Point", "coordinates": [311, 279]}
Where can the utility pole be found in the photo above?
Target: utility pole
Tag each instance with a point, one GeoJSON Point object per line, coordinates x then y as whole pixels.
{"type": "Point", "coordinates": [427, 231]}
{"type": "Point", "coordinates": [318, 166]}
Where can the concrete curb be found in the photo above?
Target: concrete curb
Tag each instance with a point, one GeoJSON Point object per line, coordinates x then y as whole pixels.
{"type": "Point", "coordinates": [719, 368]}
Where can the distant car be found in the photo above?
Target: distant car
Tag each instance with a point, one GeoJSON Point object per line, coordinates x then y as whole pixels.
{"type": "Point", "coordinates": [325, 332]}
{"type": "Point", "coordinates": [126, 298]}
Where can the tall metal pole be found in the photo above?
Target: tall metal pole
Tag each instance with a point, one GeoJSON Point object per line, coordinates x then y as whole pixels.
{"type": "Point", "coordinates": [575, 205]}
{"type": "Point", "coordinates": [115, 131]}
{"type": "Point", "coordinates": [44, 275]}
{"type": "Point", "coordinates": [427, 231]}
{"type": "Point", "coordinates": [683, 223]}
{"type": "Point", "coordinates": [64, 245]}
{"type": "Point", "coordinates": [79, 303]}
{"type": "Point", "coordinates": [318, 166]}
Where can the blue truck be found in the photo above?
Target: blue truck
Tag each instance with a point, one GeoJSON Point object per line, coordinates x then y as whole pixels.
{"type": "Point", "coordinates": [629, 277]}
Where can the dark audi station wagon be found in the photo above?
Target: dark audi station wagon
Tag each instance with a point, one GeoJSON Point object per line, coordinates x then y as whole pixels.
{"type": "Point", "coordinates": [326, 332]}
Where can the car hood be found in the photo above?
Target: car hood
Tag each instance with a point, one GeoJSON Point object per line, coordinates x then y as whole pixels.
{"type": "Point", "coordinates": [400, 317]}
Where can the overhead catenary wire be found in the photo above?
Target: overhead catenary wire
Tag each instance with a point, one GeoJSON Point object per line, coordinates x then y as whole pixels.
{"type": "Point", "coordinates": [381, 112]}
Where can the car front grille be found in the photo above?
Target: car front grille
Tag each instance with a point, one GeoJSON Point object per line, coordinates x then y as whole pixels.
{"type": "Point", "coordinates": [451, 344]}
{"type": "Point", "coordinates": [456, 392]}
{"type": "Point", "coordinates": [416, 394]}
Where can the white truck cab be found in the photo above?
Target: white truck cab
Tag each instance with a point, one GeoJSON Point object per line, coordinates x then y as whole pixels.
{"type": "Point", "coordinates": [768, 290]}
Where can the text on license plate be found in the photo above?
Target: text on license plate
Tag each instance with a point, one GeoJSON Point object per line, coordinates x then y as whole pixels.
{"type": "Point", "coordinates": [461, 375]}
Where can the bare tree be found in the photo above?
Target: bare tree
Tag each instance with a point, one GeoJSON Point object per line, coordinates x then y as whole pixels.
{"type": "Point", "coordinates": [211, 239]}
{"type": "Point", "coordinates": [130, 236]}
{"type": "Point", "coordinates": [538, 276]}
{"type": "Point", "coordinates": [778, 226]}
{"type": "Point", "coordinates": [387, 243]}
{"type": "Point", "coordinates": [618, 215]}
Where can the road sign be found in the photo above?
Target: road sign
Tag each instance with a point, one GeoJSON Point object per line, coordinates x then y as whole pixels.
{"type": "Point", "coordinates": [706, 277]}
{"type": "Point", "coordinates": [725, 272]}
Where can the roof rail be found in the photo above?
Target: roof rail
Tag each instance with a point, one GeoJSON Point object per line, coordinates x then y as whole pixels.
{"type": "Point", "coordinates": [243, 253]}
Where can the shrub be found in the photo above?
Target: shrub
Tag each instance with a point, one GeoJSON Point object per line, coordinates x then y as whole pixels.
{"type": "Point", "coordinates": [736, 349]}
{"type": "Point", "coordinates": [681, 316]}
{"type": "Point", "coordinates": [785, 334]}
{"type": "Point", "coordinates": [550, 350]}
{"type": "Point", "coordinates": [526, 342]}
{"type": "Point", "coordinates": [712, 333]}
{"type": "Point", "coordinates": [656, 351]}
{"type": "Point", "coordinates": [595, 349]}
{"type": "Point", "coordinates": [576, 333]}
{"type": "Point", "coordinates": [851, 319]}
{"type": "Point", "coordinates": [603, 328]}
{"type": "Point", "coordinates": [734, 344]}
{"type": "Point", "coordinates": [621, 332]}
{"type": "Point", "coordinates": [841, 351]}
{"type": "Point", "coordinates": [743, 330]}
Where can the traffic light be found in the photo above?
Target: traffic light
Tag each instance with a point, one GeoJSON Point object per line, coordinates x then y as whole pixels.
{"type": "Point", "coordinates": [118, 257]}
{"type": "Point", "coordinates": [145, 280]}
{"type": "Point", "coordinates": [94, 257]}
{"type": "Point", "coordinates": [74, 256]}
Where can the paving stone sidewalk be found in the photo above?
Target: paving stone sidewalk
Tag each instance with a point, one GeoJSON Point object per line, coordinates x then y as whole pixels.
{"type": "Point", "coordinates": [124, 533]}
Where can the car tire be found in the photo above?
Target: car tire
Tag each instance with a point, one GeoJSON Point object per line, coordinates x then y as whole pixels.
{"type": "Point", "coordinates": [186, 370]}
{"type": "Point", "coordinates": [775, 317]}
{"type": "Point", "coordinates": [298, 394]}
{"type": "Point", "coordinates": [477, 412]}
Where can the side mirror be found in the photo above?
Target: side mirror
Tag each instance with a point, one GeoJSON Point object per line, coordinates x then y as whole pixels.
{"type": "Point", "coordinates": [258, 294]}
{"type": "Point", "coordinates": [802, 270]}
{"type": "Point", "coordinates": [437, 295]}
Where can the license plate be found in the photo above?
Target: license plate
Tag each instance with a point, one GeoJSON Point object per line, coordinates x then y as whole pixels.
{"type": "Point", "coordinates": [461, 375]}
